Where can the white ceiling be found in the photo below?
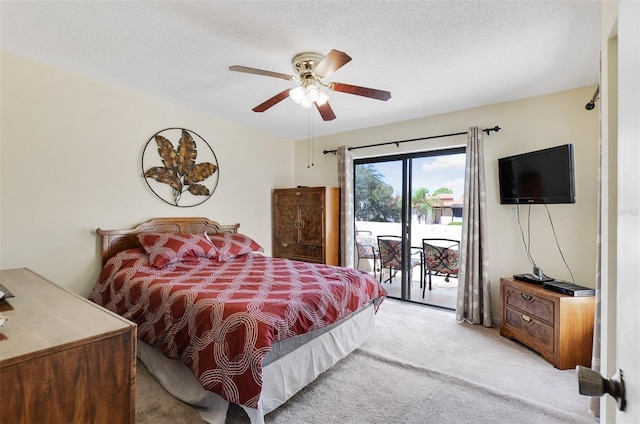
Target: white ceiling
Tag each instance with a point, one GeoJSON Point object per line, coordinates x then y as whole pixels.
{"type": "Point", "coordinates": [433, 56]}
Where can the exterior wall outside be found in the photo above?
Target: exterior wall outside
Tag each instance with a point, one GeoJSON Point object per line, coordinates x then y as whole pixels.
{"type": "Point", "coordinates": [527, 124]}
{"type": "Point", "coordinates": [70, 163]}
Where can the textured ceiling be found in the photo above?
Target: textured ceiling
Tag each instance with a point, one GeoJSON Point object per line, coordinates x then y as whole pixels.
{"type": "Point", "coordinates": [433, 56]}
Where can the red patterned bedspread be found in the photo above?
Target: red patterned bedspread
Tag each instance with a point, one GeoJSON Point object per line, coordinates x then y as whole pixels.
{"type": "Point", "coordinates": [221, 319]}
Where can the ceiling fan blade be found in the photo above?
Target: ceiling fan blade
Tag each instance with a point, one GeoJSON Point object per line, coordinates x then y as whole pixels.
{"type": "Point", "coordinates": [360, 91]}
{"type": "Point", "coordinates": [272, 101]}
{"type": "Point", "coordinates": [325, 111]}
{"type": "Point", "coordinates": [247, 70]}
{"type": "Point", "coordinates": [331, 63]}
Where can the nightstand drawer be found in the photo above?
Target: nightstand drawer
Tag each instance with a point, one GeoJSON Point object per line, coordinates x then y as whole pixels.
{"type": "Point", "coordinates": [531, 329]}
{"type": "Point", "coordinates": [529, 303]}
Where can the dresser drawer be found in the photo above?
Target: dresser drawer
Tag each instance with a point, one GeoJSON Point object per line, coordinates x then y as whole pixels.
{"type": "Point", "coordinates": [63, 359]}
{"type": "Point", "coordinates": [557, 326]}
{"type": "Point", "coordinates": [529, 303]}
{"type": "Point", "coordinates": [530, 329]}
{"type": "Point", "coordinates": [300, 197]}
{"type": "Point", "coordinates": [306, 252]}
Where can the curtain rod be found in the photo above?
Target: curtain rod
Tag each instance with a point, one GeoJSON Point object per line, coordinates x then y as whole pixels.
{"type": "Point", "coordinates": [397, 143]}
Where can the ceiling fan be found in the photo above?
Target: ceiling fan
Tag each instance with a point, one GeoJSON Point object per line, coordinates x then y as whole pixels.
{"type": "Point", "coordinates": [310, 69]}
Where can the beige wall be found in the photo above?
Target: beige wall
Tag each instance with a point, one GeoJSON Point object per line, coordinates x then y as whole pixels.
{"type": "Point", "coordinates": [70, 163]}
{"type": "Point", "coordinates": [528, 124]}
{"type": "Point", "coordinates": [71, 150]}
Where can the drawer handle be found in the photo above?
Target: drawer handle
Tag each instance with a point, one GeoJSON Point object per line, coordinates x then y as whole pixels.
{"type": "Point", "coordinates": [525, 318]}
{"type": "Point", "coordinates": [284, 244]}
{"type": "Point", "coordinates": [526, 297]}
{"type": "Point", "coordinates": [312, 248]}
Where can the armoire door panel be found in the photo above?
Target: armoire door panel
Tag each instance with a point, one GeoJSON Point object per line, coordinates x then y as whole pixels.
{"type": "Point", "coordinates": [311, 230]}
{"type": "Point", "coordinates": [285, 224]}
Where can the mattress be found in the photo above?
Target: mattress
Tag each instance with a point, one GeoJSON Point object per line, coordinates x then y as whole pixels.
{"type": "Point", "coordinates": [293, 364]}
{"type": "Point", "coordinates": [228, 319]}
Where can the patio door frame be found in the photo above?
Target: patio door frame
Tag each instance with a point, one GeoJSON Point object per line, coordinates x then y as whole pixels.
{"type": "Point", "coordinates": [406, 161]}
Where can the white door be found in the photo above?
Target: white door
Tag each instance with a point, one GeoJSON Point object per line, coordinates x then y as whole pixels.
{"type": "Point", "coordinates": [628, 213]}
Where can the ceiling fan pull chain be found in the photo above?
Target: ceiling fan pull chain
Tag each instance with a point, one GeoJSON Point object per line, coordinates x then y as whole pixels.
{"type": "Point", "coordinates": [309, 140]}
{"type": "Point", "coordinates": [313, 138]}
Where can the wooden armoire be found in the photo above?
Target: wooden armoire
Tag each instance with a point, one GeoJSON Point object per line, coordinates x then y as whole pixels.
{"type": "Point", "coordinates": [306, 224]}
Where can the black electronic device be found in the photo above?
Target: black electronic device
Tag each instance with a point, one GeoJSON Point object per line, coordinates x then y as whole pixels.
{"type": "Point", "coordinates": [532, 278]}
{"type": "Point", "coordinates": [569, 289]}
{"type": "Point", "coordinates": [543, 176]}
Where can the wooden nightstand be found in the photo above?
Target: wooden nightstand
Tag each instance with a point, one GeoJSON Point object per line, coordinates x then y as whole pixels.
{"type": "Point", "coordinates": [557, 326]}
{"type": "Point", "coordinates": [63, 359]}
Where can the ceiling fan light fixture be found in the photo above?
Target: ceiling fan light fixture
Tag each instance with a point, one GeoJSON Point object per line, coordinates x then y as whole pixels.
{"type": "Point", "coordinates": [312, 92]}
{"type": "Point", "coordinates": [297, 94]}
{"type": "Point", "coordinates": [322, 98]}
{"type": "Point", "coordinates": [305, 102]}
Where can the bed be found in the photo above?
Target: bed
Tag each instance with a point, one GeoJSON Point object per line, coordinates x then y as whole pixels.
{"type": "Point", "coordinates": [219, 322]}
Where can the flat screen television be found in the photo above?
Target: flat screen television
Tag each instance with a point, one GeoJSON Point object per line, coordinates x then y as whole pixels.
{"type": "Point", "coordinates": [543, 176]}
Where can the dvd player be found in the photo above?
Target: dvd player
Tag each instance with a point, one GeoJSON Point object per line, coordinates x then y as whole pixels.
{"type": "Point", "coordinates": [569, 289]}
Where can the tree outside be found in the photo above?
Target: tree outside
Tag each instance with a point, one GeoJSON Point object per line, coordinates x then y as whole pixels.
{"type": "Point", "coordinates": [374, 199]}
{"type": "Point", "coordinates": [424, 202]}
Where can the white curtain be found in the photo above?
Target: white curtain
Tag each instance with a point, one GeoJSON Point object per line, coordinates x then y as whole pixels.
{"type": "Point", "coordinates": [474, 288]}
{"type": "Point", "coordinates": [345, 175]}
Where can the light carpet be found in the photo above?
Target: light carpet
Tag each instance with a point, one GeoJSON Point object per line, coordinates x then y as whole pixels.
{"type": "Point", "coordinates": [419, 366]}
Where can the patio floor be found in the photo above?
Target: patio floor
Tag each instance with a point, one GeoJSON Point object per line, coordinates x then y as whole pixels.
{"type": "Point", "coordinates": [442, 294]}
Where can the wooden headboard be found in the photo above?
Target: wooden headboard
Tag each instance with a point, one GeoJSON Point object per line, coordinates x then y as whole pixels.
{"type": "Point", "coordinates": [115, 241]}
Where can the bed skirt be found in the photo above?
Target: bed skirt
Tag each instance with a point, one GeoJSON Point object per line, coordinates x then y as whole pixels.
{"type": "Point", "coordinates": [282, 377]}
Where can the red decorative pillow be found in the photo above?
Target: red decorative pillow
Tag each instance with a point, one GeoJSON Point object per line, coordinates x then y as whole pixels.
{"type": "Point", "coordinates": [231, 245]}
{"type": "Point", "coordinates": [167, 248]}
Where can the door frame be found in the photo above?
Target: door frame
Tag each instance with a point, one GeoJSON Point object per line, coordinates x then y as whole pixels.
{"type": "Point", "coordinates": [620, 131]}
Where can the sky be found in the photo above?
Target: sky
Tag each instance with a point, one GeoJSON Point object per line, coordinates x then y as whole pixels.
{"type": "Point", "coordinates": [428, 172]}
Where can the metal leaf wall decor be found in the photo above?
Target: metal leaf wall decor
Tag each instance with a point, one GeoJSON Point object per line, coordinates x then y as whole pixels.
{"type": "Point", "coordinates": [174, 173]}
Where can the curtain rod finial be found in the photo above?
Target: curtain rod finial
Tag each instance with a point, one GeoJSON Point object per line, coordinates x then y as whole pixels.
{"type": "Point", "coordinates": [488, 130]}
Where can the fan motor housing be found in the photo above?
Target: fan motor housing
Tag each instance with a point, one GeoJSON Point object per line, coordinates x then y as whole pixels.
{"type": "Point", "coordinates": [305, 63]}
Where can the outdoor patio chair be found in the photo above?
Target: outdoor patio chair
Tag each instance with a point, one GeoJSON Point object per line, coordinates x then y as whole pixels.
{"type": "Point", "coordinates": [441, 258]}
{"type": "Point", "coordinates": [390, 248]}
{"type": "Point", "coordinates": [367, 248]}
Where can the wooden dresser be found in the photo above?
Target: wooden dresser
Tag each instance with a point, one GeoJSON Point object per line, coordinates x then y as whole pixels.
{"type": "Point", "coordinates": [557, 326]}
{"type": "Point", "coordinates": [63, 359]}
{"type": "Point", "coordinates": [306, 224]}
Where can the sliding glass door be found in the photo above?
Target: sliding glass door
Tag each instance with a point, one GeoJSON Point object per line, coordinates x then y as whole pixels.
{"type": "Point", "coordinates": [399, 201]}
{"type": "Point", "coordinates": [379, 208]}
